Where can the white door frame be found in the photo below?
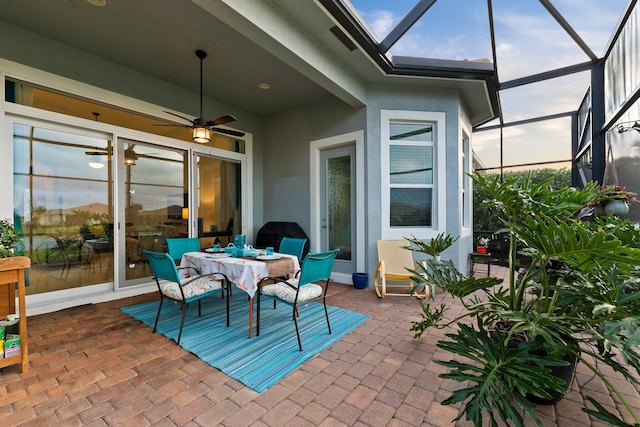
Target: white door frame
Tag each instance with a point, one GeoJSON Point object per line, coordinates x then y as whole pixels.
{"type": "Point", "coordinates": [316, 147]}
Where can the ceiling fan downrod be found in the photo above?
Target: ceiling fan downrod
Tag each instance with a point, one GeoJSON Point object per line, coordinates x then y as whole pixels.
{"type": "Point", "coordinates": [202, 55]}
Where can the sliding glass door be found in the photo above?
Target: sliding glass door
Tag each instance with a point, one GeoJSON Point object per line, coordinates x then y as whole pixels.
{"type": "Point", "coordinates": [63, 206]}
{"type": "Point", "coordinates": [88, 207]}
{"type": "Point", "coordinates": [154, 199]}
{"type": "Point", "coordinates": [219, 200]}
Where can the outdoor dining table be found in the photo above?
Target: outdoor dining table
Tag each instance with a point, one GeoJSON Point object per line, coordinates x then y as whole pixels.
{"type": "Point", "coordinates": [244, 272]}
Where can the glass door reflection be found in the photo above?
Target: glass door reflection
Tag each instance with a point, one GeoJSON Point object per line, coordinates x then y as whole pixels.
{"type": "Point", "coordinates": [155, 194]}
{"type": "Point", "coordinates": [219, 205]}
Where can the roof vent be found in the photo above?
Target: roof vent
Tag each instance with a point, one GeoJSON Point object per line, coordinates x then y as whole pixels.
{"type": "Point", "coordinates": [346, 41]}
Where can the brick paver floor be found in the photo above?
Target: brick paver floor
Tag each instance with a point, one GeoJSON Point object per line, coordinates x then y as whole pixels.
{"type": "Point", "coordinates": [95, 366]}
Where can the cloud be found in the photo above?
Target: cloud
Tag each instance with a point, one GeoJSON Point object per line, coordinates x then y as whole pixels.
{"type": "Point", "coordinates": [381, 21]}
{"type": "Point", "coordinates": [529, 41]}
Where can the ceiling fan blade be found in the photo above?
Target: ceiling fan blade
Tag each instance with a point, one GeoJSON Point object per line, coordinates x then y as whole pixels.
{"type": "Point", "coordinates": [228, 131]}
{"type": "Point", "coordinates": [178, 115]}
{"type": "Point", "coordinates": [221, 120]}
{"type": "Point", "coordinates": [98, 152]}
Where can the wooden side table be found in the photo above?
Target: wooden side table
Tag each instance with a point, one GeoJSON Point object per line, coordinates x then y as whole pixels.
{"type": "Point", "coordinates": [12, 272]}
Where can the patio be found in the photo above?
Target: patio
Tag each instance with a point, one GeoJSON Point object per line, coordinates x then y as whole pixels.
{"type": "Point", "coordinates": [95, 366]}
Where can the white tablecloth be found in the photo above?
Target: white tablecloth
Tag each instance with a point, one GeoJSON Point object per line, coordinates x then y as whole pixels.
{"type": "Point", "coordinates": [245, 273]}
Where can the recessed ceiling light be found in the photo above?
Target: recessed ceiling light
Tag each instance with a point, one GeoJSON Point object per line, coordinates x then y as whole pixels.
{"type": "Point", "coordinates": [98, 3]}
{"type": "Point", "coordinates": [264, 86]}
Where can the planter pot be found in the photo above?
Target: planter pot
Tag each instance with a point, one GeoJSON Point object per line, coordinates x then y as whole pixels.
{"type": "Point", "coordinates": [565, 373]}
{"type": "Point", "coordinates": [360, 280]}
{"type": "Point", "coordinates": [613, 207]}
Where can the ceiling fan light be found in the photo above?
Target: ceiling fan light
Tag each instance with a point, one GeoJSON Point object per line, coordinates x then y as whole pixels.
{"type": "Point", "coordinates": [130, 157]}
{"type": "Point", "coordinates": [96, 162]}
{"type": "Point", "coordinates": [201, 135]}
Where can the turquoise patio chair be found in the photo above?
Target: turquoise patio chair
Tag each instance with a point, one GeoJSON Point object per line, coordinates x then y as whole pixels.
{"type": "Point", "coordinates": [316, 269]}
{"type": "Point", "coordinates": [178, 246]}
{"type": "Point", "coordinates": [183, 290]}
{"type": "Point", "coordinates": [292, 246]}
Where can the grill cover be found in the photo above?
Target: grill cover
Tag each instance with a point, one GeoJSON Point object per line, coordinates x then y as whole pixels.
{"type": "Point", "coordinates": [272, 232]}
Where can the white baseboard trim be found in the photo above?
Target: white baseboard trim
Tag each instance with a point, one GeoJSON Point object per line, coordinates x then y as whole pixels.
{"type": "Point", "coordinates": [49, 306]}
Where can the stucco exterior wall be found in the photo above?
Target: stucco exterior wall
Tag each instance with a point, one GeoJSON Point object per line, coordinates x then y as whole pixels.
{"type": "Point", "coordinates": [287, 137]}
{"type": "Point", "coordinates": [412, 99]}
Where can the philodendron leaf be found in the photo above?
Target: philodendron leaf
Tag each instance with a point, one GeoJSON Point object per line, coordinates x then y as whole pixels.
{"type": "Point", "coordinates": [497, 378]}
{"type": "Point", "coordinates": [574, 243]}
{"type": "Point", "coordinates": [603, 415]}
{"type": "Point", "coordinates": [446, 276]}
{"type": "Point", "coordinates": [430, 318]}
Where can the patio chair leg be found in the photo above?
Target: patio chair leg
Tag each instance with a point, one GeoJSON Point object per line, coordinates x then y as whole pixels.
{"type": "Point", "coordinates": [228, 298]}
{"type": "Point", "coordinates": [258, 313]}
{"type": "Point", "coordinates": [326, 313]}
{"type": "Point", "coordinates": [155, 325]}
{"type": "Point", "coordinates": [295, 321]}
{"type": "Point", "coordinates": [184, 314]}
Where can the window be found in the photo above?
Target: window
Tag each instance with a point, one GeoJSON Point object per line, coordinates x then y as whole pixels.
{"type": "Point", "coordinates": [466, 180]}
{"type": "Point", "coordinates": [410, 174]}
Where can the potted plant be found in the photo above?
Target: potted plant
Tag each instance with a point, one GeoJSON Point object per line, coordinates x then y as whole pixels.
{"type": "Point", "coordinates": [10, 240]}
{"type": "Point", "coordinates": [433, 247]}
{"type": "Point", "coordinates": [615, 200]}
{"type": "Point", "coordinates": [577, 297]}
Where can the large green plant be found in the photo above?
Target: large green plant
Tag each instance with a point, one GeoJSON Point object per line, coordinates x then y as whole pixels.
{"type": "Point", "coordinates": [578, 296]}
{"type": "Point", "coordinates": [10, 240]}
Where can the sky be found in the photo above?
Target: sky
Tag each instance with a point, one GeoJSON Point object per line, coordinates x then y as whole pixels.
{"type": "Point", "coordinates": [528, 41]}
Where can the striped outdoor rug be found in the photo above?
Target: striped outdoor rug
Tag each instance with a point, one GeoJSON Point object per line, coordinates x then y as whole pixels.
{"type": "Point", "coordinates": [258, 362]}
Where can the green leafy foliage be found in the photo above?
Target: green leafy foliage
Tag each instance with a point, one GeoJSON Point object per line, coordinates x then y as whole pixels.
{"type": "Point", "coordinates": [497, 377]}
{"type": "Point", "coordinates": [433, 247]}
{"type": "Point", "coordinates": [578, 295]}
{"type": "Point", "coordinates": [603, 415]}
{"type": "Point", "coordinates": [10, 240]}
{"type": "Point", "coordinates": [485, 217]}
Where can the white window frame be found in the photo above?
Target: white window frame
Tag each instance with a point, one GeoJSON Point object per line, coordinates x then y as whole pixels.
{"type": "Point", "coordinates": [466, 167]}
{"type": "Point", "coordinates": [438, 120]}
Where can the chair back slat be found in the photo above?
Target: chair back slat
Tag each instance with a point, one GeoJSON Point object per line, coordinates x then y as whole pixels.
{"type": "Point", "coordinates": [179, 246]}
{"type": "Point", "coordinates": [162, 266]}
{"type": "Point", "coordinates": [292, 246]}
{"type": "Point", "coordinates": [317, 267]}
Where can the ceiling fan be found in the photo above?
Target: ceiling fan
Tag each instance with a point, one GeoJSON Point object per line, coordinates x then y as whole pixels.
{"type": "Point", "coordinates": [200, 127]}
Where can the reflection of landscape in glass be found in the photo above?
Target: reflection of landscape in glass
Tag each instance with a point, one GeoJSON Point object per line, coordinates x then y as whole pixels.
{"type": "Point", "coordinates": [63, 208]}
{"type": "Point", "coordinates": [340, 205]}
{"type": "Point", "coordinates": [64, 200]}
{"type": "Point", "coordinates": [155, 193]}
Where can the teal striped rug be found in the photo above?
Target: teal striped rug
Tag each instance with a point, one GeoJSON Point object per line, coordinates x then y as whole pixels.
{"type": "Point", "coordinates": [258, 362]}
